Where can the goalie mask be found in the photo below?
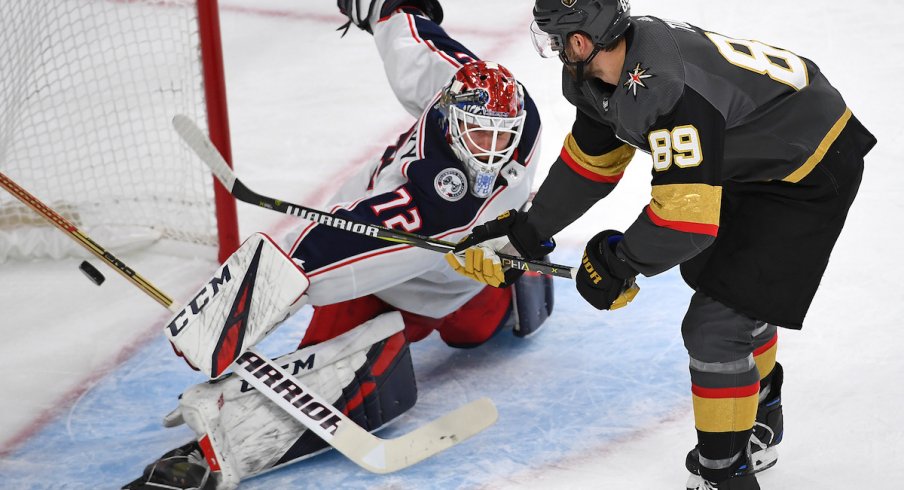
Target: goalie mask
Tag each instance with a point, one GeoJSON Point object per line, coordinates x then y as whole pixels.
{"type": "Point", "coordinates": [483, 107]}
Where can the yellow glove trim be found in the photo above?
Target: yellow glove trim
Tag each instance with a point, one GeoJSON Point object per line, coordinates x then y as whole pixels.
{"type": "Point", "coordinates": [625, 297]}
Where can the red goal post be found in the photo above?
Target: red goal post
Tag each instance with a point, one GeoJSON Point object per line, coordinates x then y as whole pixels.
{"type": "Point", "coordinates": [87, 95]}
{"type": "Point", "coordinates": [218, 121]}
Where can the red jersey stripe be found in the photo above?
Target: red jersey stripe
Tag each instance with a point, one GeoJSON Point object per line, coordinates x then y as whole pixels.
{"type": "Point", "coordinates": [685, 226]}
{"type": "Point", "coordinates": [583, 172]}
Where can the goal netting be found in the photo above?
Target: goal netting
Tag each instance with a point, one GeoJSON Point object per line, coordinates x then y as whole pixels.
{"type": "Point", "coordinates": [88, 89]}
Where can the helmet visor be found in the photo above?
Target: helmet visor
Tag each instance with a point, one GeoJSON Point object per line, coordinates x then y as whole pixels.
{"type": "Point", "coordinates": [548, 45]}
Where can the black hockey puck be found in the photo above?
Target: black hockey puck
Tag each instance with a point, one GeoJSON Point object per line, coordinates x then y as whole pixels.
{"type": "Point", "coordinates": [92, 272]}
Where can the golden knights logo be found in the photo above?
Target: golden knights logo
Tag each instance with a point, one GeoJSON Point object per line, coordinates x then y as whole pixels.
{"type": "Point", "coordinates": [636, 78]}
{"type": "Point", "coordinates": [569, 3]}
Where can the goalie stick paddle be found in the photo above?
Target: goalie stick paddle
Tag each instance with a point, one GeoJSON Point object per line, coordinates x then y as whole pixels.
{"type": "Point", "coordinates": [321, 417]}
{"type": "Point", "coordinates": [201, 144]}
{"type": "Point", "coordinates": [333, 426]}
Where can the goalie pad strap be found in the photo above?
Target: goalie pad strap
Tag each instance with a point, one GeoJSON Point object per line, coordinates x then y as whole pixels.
{"type": "Point", "coordinates": [209, 454]}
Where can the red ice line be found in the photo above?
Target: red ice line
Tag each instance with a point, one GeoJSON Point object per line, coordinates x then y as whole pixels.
{"type": "Point", "coordinates": [59, 405]}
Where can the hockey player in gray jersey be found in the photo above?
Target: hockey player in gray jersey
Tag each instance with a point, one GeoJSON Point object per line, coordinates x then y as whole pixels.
{"type": "Point", "coordinates": [756, 160]}
{"type": "Point", "coordinates": [466, 158]}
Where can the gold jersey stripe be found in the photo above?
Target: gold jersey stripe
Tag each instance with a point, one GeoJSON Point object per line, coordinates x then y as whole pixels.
{"type": "Point", "coordinates": [765, 362]}
{"type": "Point", "coordinates": [821, 150]}
{"type": "Point", "coordinates": [725, 414]}
{"type": "Point", "coordinates": [608, 164]}
{"type": "Point", "coordinates": [688, 203]}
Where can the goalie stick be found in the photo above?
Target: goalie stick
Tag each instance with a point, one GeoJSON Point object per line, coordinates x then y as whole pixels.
{"type": "Point", "coordinates": [209, 154]}
{"type": "Point", "coordinates": [333, 426]}
{"type": "Point", "coordinates": [321, 417]}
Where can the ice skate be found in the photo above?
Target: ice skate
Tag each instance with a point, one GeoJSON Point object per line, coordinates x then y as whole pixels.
{"type": "Point", "coordinates": [743, 482]}
{"type": "Point", "coordinates": [182, 468]}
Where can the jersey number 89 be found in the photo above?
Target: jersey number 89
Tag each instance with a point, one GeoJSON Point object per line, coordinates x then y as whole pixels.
{"type": "Point", "coordinates": [781, 66]}
{"type": "Point", "coordinates": [684, 140]}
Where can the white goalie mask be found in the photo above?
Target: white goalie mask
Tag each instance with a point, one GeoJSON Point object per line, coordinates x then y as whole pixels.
{"type": "Point", "coordinates": [484, 109]}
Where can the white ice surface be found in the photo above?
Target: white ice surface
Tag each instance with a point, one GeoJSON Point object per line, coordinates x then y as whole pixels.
{"type": "Point", "coordinates": [595, 400]}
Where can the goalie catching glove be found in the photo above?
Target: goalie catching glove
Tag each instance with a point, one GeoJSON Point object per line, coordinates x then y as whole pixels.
{"type": "Point", "coordinates": [366, 13]}
{"type": "Point", "coordinates": [475, 256]}
{"type": "Point", "coordinates": [604, 280]}
{"type": "Point", "coordinates": [481, 263]}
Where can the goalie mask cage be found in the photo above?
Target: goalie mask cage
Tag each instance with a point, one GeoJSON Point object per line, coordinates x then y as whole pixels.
{"type": "Point", "coordinates": [88, 90]}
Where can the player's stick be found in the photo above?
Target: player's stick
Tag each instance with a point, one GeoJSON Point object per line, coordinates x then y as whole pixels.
{"type": "Point", "coordinates": [63, 224]}
{"type": "Point", "coordinates": [365, 449]}
{"type": "Point", "coordinates": [199, 142]}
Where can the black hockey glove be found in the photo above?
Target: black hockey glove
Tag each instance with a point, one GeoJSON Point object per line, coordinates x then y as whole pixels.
{"type": "Point", "coordinates": [361, 12]}
{"type": "Point", "coordinates": [604, 280]}
{"type": "Point", "coordinates": [521, 235]}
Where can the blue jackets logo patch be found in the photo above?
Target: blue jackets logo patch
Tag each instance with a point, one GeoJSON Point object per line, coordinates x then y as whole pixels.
{"type": "Point", "coordinates": [451, 184]}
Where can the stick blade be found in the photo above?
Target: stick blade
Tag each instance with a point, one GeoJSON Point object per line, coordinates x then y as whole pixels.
{"type": "Point", "coordinates": [203, 147]}
{"type": "Point", "coordinates": [389, 455]}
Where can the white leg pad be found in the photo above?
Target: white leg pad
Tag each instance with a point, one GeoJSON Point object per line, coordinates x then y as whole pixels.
{"type": "Point", "coordinates": [247, 432]}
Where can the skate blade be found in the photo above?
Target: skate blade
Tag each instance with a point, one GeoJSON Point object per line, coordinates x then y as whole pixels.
{"type": "Point", "coordinates": [694, 482]}
{"type": "Point", "coordinates": [762, 460]}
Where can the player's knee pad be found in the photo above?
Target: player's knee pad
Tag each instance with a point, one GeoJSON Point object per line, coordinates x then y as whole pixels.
{"type": "Point", "coordinates": [714, 332]}
{"type": "Point", "coordinates": [366, 372]}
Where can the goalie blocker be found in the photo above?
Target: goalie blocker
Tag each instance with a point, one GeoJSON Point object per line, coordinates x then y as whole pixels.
{"type": "Point", "coordinates": [366, 372]}
{"type": "Point", "coordinates": [249, 295]}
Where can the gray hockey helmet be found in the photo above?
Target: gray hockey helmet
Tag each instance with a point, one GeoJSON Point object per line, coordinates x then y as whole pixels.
{"type": "Point", "coordinates": [603, 20]}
